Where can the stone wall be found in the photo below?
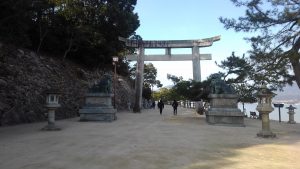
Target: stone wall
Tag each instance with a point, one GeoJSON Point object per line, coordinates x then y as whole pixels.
{"type": "Point", "coordinates": [24, 77]}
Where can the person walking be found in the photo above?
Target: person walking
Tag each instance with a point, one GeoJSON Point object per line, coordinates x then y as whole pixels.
{"type": "Point", "coordinates": [153, 104]}
{"type": "Point", "coordinates": [160, 105]}
{"type": "Point", "coordinates": [175, 105]}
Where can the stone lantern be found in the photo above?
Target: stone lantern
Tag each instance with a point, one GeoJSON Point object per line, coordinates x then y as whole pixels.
{"type": "Point", "coordinates": [52, 99]}
{"type": "Point", "coordinates": [264, 107]}
{"type": "Point", "coordinates": [291, 113]}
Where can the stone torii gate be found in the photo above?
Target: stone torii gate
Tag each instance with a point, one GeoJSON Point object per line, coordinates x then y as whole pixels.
{"type": "Point", "coordinates": [168, 45]}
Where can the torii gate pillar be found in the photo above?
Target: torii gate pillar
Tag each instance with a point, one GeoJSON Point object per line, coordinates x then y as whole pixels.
{"type": "Point", "coordinates": [196, 64]}
{"type": "Point", "coordinates": [139, 80]}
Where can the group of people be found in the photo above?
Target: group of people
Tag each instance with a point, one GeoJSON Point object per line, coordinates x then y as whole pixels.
{"type": "Point", "coordinates": [161, 105]}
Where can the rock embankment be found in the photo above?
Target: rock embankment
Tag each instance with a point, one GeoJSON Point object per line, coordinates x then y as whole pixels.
{"type": "Point", "coordinates": [24, 77]}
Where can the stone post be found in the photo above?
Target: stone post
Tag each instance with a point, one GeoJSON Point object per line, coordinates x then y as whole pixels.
{"type": "Point", "coordinates": [196, 64]}
{"type": "Point", "coordinates": [139, 80]}
{"type": "Point", "coordinates": [279, 105]}
{"type": "Point", "coordinates": [129, 105]}
{"type": "Point", "coordinates": [115, 60]}
{"type": "Point", "coordinates": [264, 107]}
{"type": "Point", "coordinates": [291, 113]}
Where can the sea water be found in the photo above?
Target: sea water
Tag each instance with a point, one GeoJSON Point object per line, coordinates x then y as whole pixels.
{"type": "Point", "coordinates": [274, 115]}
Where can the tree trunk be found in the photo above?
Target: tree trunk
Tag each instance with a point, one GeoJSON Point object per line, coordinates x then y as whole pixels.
{"type": "Point", "coordinates": [42, 37]}
{"type": "Point", "coordinates": [296, 68]}
{"type": "Point", "coordinates": [68, 49]}
{"type": "Point", "coordinates": [294, 59]}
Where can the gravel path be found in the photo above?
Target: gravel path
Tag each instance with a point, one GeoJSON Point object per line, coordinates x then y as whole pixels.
{"type": "Point", "coordinates": [149, 141]}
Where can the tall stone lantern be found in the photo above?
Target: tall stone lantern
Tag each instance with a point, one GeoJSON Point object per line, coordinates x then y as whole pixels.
{"type": "Point", "coordinates": [291, 113]}
{"type": "Point", "coordinates": [264, 107]}
{"type": "Point", "coordinates": [52, 103]}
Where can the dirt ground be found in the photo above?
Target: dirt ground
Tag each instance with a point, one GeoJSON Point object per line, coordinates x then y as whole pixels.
{"type": "Point", "coordinates": [149, 141]}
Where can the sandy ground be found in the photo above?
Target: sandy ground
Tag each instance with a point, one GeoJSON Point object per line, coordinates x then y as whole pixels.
{"type": "Point", "coordinates": [149, 141]}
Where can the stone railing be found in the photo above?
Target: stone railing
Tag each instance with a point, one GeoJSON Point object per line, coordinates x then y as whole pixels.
{"type": "Point", "coordinates": [187, 104]}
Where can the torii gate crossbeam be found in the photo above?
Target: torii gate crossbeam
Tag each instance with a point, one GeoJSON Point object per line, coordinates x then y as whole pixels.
{"type": "Point", "coordinates": [168, 45]}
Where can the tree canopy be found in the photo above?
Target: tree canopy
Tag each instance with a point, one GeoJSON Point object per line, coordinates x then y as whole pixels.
{"type": "Point", "coordinates": [276, 47]}
{"type": "Point", "coordinates": [239, 73]}
{"type": "Point", "coordinates": [189, 89]}
{"type": "Point", "coordinates": [86, 31]}
{"type": "Point", "coordinates": [174, 78]}
{"type": "Point", "coordinates": [237, 69]}
{"type": "Point", "coordinates": [150, 74]}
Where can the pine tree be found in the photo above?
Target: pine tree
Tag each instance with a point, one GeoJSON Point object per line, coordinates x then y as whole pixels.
{"type": "Point", "coordinates": [276, 49]}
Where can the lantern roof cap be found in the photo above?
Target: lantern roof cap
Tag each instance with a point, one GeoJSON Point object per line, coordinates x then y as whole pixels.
{"type": "Point", "coordinates": [264, 91]}
{"type": "Point", "coordinates": [291, 107]}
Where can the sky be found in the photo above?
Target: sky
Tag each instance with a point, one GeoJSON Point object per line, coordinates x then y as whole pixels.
{"type": "Point", "coordinates": [190, 19]}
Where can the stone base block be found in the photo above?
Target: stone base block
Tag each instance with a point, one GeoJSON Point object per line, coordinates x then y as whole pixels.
{"type": "Point", "coordinates": [292, 122]}
{"type": "Point", "coordinates": [107, 114]}
{"type": "Point", "coordinates": [225, 116]}
{"type": "Point", "coordinates": [51, 127]}
{"type": "Point", "coordinates": [266, 134]}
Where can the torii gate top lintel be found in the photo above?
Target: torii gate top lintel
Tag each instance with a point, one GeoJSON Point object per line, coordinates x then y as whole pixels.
{"type": "Point", "coordinates": [170, 43]}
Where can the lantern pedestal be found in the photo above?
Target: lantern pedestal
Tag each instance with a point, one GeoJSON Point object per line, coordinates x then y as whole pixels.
{"type": "Point", "coordinates": [265, 132]}
{"type": "Point", "coordinates": [291, 118]}
{"type": "Point", "coordinates": [51, 122]}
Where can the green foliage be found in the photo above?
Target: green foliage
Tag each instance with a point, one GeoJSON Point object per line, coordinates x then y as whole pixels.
{"type": "Point", "coordinates": [183, 88]}
{"type": "Point", "coordinates": [156, 95]}
{"type": "Point", "coordinates": [150, 74]}
{"type": "Point", "coordinates": [188, 90]}
{"type": "Point", "coordinates": [15, 19]}
{"type": "Point", "coordinates": [269, 69]}
{"type": "Point", "coordinates": [166, 94]}
{"type": "Point", "coordinates": [158, 84]}
{"type": "Point", "coordinates": [245, 93]}
{"type": "Point", "coordinates": [241, 73]}
{"type": "Point", "coordinates": [236, 69]}
{"type": "Point", "coordinates": [276, 49]}
{"type": "Point", "coordinates": [147, 92]}
{"type": "Point", "coordinates": [174, 79]}
{"type": "Point", "coordinates": [85, 31]}
{"type": "Point", "coordinates": [123, 67]}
